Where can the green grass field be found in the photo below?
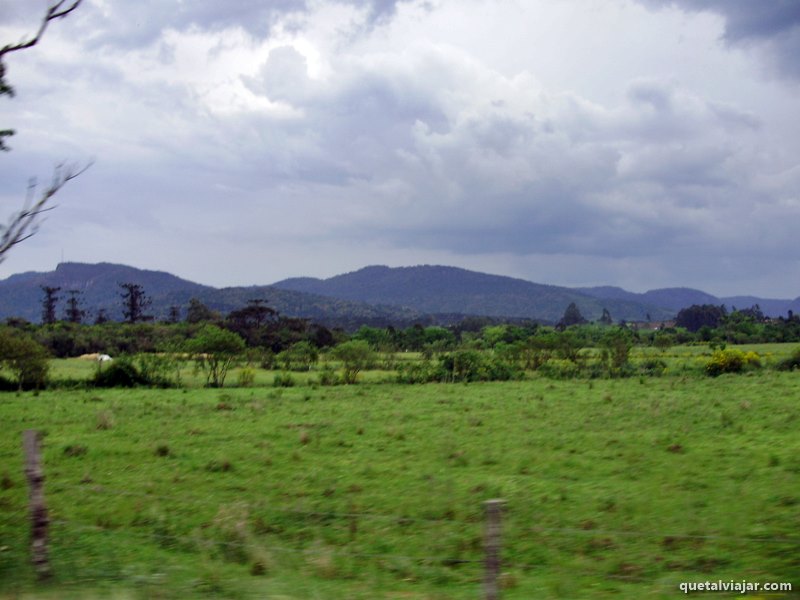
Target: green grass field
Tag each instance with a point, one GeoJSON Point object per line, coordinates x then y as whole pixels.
{"type": "Point", "coordinates": [613, 488]}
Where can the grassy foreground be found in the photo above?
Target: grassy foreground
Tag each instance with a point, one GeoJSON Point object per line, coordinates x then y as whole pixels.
{"type": "Point", "coordinates": [613, 488]}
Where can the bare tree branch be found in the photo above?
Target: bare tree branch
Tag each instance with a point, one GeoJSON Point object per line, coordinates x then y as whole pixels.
{"type": "Point", "coordinates": [54, 12]}
{"type": "Point", "coordinates": [25, 223]}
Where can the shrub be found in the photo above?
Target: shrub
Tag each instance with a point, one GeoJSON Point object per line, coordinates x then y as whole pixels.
{"type": "Point", "coordinates": [653, 367]}
{"type": "Point", "coordinates": [752, 359]}
{"type": "Point", "coordinates": [473, 365]}
{"type": "Point", "coordinates": [559, 369]}
{"type": "Point", "coordinates": [355, 356]}
{"type": "Point", "coordinates": [215, 351]}
{"type": "Point", "coordinates": [616, 348]}
{"type": "Point", "coordinates": [121, 372]}
{"type": "Point", "coordinates": [299, 357]}
{"type": "Point", "coordinates": [791, 363]}
{"type": "Point", "coordinates": [418, 372]}
{"type": "Point", "coordinates": [159, 370]}
{"type": "Point", "coordinates": [731, 361]}
{"type": "Point", "coordinates": [283, 380]}
{"type": "Point", "coordinates": [25, 358]}
{"type": "Point", "coordinates": [246, 377]}
{"type": "Point", "coordinates": [327, 376]}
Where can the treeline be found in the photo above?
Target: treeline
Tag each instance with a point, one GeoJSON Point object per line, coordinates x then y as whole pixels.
{"type": "Point", "coordinates": [474, 349]}
{"type": "Point", "coordinates": [711, 323]}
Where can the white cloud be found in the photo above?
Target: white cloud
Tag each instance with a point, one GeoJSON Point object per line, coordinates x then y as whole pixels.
{"type": "Point", "coordinates": [563, 142]}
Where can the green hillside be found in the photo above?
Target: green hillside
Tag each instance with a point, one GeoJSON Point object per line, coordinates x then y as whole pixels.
{"type": "Point", "coordinates": [438, 289]}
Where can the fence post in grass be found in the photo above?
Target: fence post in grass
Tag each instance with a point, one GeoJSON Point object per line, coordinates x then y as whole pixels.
{"type": "Point", "coordinates": [492, 548]}
{"type": "Point", "coordinates": [38, 510]}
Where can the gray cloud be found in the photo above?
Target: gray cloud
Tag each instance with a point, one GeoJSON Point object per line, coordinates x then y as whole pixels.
{"type": "Point", "coordinates": [773, 25]}
{"type": "Point", "coordinates": [134, 24]}
{"type": "Point", "coordinates": [389, 141]}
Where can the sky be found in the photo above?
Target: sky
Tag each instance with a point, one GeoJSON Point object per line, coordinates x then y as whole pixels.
{"type": "Point", "coordinates": [638, 143]}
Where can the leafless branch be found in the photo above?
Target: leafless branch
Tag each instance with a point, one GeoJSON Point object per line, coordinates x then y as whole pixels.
{"type": "Point", "coordinates": [25, 223]}
{"type": "Point", "coordinates": [56, 11]}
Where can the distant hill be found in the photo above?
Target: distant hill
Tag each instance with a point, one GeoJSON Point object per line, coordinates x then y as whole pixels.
{"type": "Point", "coordinates": [21, 296]}
{"type": "Point", "coordinates": [439, 289]}
{"type": "Point", "coordinates": [680, 297]}
{"type": "Point", "coordinates": [376, 295]}
{"type": "Point", "coordinates": [672, 298]}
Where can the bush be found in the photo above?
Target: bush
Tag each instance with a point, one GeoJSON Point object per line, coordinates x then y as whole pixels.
{"type": "Point", "coordinates": [791, 363]}
{"type": "Point", "coordinates": [299, 357]}
{"type": "Point", "coordinates": [121, 372]}
{"type": "Point", "coordinates": [731, 361]}
{"type": "Point", "coordinates": [25, 358]}
{"type": "Point", "coordinates": [160, 370]}
{"type": "Point", "coordinates": [283, 380]}
{"type": "Point", "coordinates": [355, 356]}
{"type": "Point", "coordinates": [247, 377]}
{"type": "Point", "coordinates": [473, 365]}
{"type": "Point", "coordinates": [215, 351]}
{"type": "Point", "coordinates": [6, 385]}
{"type": "Point", "coordinates": [419, 372]}
{"type": "Point", "coordinates": [559, 369]}
{"type": "Point", "coordinates": [327, 376]}
{"type": "Point", "coordinates": [653, 367]}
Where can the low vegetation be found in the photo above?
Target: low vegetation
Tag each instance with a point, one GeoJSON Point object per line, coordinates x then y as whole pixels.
{"type": "Point", "coordinates": [613, 488]}
{"type": "Point", "coordinates": [218, 464]}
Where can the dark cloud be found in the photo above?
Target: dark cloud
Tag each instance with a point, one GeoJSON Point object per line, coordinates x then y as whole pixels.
{"type": "Point", "coordinates": [135, 24]}
{"type": "Point", "coordinates": [383, 137]}
{"type": "Point", "coordinates": [773, 24]}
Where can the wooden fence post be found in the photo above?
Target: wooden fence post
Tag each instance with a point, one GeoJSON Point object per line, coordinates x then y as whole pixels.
{"type": "Point", "coordinates": [39, 520]}
{"type": "Point", "coordinates": [492, 560]}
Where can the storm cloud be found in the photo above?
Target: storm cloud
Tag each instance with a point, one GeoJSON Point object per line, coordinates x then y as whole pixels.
{"type": "Point", "coordinates": [627, 142]}
{"type": "Point", "coordinates": [771, 27]}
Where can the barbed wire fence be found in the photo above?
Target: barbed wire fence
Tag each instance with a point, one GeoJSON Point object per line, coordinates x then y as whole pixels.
{"type": "Point", "coordinates": [486, 565]}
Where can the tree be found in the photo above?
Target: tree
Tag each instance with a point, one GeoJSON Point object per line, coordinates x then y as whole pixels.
{"type": "Point", "coordinates": [215, 351]}
{"type": "Point", "coordinates": [24, 223]}
{"type": "Point", "coordinates": [134, 303]}
{"type": "Point", "coordinates": [299, 357]}
{"type": "Point", "coordinates": [572, 316]}
{"type": "Point", "coordinates": [24, 357]}
{"type": "Point", "coordinates": [174, 314]}
{"type": "Point", "coordinates": [251, 321]}
{"type": "Point", "coordinates": [355, 356]}
{"type": "Point", "coordinates": [697, 316]}
{"type": "Point", "coordinates": [49, 304]}
{"type": "Point", "coordinates": [616, 349]}
{"type": "Point", "coordinates": [607, 320]}
{"type": "Point", "coordinates": [200, 313]}
{"type": "Point", "coordinates": [74, 312]}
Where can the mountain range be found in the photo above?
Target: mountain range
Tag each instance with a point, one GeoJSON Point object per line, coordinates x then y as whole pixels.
{"type": "Point", "coordinates": [374, 295]}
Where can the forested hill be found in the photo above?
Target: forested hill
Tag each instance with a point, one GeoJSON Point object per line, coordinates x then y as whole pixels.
{"type": "Point", "coordinates": [376, 295]}
{"type": "Point", "coordinates": [439, 289]}
{"type": "Point", "coordinates": [21, 296]}
{"type": "Point", "coordinates": [681, 297]}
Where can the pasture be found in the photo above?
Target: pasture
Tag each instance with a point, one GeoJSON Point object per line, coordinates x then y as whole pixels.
{"type": "Point", "coordinates": [613, 488]}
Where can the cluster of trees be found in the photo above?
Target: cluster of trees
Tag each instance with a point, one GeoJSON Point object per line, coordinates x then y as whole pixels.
{"type": "Point", "coordinates": [711, 323]}
{"type": "Point", "coordinates": [134, 304]}
{"type": "Point", "coordinates": [258, 334]}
